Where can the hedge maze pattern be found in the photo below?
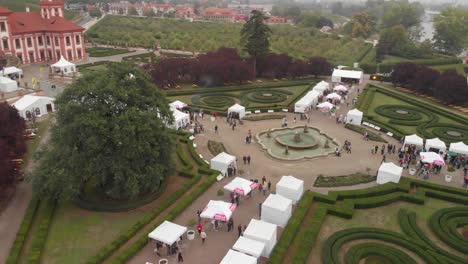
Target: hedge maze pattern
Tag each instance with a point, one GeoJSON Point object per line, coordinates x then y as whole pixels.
{"type": "Point", "coordinates": [411, 245]}
{"type": "Point", "coordinates": [422, 115]}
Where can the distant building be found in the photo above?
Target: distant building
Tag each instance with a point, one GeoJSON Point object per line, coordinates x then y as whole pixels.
{"type": "Point", "coordinates": [218, 14]}
{"type": "Point", "coordinates": [277, 20]}
{"type": "Point", "coordinates": [45, 36]}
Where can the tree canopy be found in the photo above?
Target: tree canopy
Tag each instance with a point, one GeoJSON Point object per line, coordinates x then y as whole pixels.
{"type": "Point", "coordinates": [451, 30]}
{"type": "Point", "coordinates": [110, 133]}
{"type": "Point", "coordinates": [361, 25]}
{"type": "Point", "coordinates": [12, 142]}
{"type": "Point", "coordinates": [396, 41]}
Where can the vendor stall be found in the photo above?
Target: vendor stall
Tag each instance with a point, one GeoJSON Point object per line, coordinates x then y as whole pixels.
{"type": "Point", "coordinates": [291, 188]}
{"type": "Point", "coordinates": [339, 76]}
{"type": "Point", "coordinates": [459, 148]}
{"type": "Point", "coordinates": [181, 119]}
{"type": "Point", "coordinates": [177, 105]}
{"type": "Point", "coordinates": [63, 66]}
{"type": "Point", "coordinates": [340, 88]}
{"type": "Point", "coordinates": [263, 232]}
{"type": "Point", "coordinates": [305, 103]}
{"type": "Point", "coordinates": [436, 145]}
{"type": "Point", "coordinates": [249, 246]}
{"type": "Point", "coordinates": [7, 85]}
{"type": "Point", "coordinates": [168, 232]}
{"type": "Point", "coordinates": [389, 172]}
{"type": "Point", "coordinates": [240, 186]}
{"type": "Point", "coordinates": [277, 210]}
{"type": "Point", "coordinates": [432, 158]}
{"type": "Point", "coordinates": [414, 140]}
{"type": "Point", "coordinates": [237, 111]}
{"type": "Point", "coordinates": [218, 210]}
{"type": "Point", "coordinates": [234, 257]}
{"type": "Point", "coordinates": [222, 162]}
{"type": "Point", "coordinates": [12, 72]}
{"type": "Point", "coordinates": [325, 106]}
{"type": "Point", "coordinates": [334, 97]}
{"type": "Point", "coordinates": [354, 117]}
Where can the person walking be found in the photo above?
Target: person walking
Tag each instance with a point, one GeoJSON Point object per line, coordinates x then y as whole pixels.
{"type": "Point", "coordinates": [269, 185]}
{"type": "Point", "coordinates": [180, 258]}
{"type": "Point", "coordinates": [383, 158]}
{"type": "Point", "coordinates": [263, 180]}
{"type": "Point", "coordinates": [465, 182]}
{"type": "Point", "coordinates": [239, 229]}
{"type": "Point", "coordinates": [199, 228]}
{"type": "Point", "coordinates": [216, 129]}
{"type": "Point", "coordinates": [248, 159]}
{"type": "Point", "coordinates": [244, 158]}
{"type": "Point", "coordinates": [259, 209]}
{"type": "Point", "coordinates": [203, 237]}
{"type": "Point", "coordinates": [260, 188]}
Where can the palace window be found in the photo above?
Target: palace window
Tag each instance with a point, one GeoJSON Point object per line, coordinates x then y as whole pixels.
{"type": "Point", "coordinates": [39, 40]}
{"type": "Point", "coordinates": [48, 40]}
{"type": "Point", "coordinates": [18, 43]}
{"type": "Point", "coordinates": [79, 53]}
{"type": "Point", "coordinates": [2, 26]}
{"type": "Point", "coordinates": [68, 41]}
{"type": "Point", "coordinates": [5, 43]}
{"type": "Point", "coordinates": [56, 41]}
{"type": "Point", "coordinates": [69, 54]}
{"type": "Point", "coordinates": [29, 41]}
{"type": "Point", "coordinates": [78, 39]}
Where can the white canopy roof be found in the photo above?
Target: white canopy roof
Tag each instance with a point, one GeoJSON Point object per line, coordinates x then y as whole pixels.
{"type": "Point", "coordinates": [354, 117]}
{"type": "Point", "coordinates": [307, 101]}
{"type": "Point", "coordinates": [413, 140]}
{"type": "Point", "coordinates": [234, 257]}
{"type": "Point", "coordinates": [178, 115]}
{"type": "Point", "coordinates": [290, 187]}
{"type": "Point", "coordinates": [347, 74]}
{"type": "Point", "coordinates": [177, 104]}
{"type": "Point", "coordinates": [28, 100]}
{"type": "Point", "coordinates": [11, 70]}
{"type": "Point", "coordinates": [7, 85]}
{"type": "Point", "coordinates": [459, 147]}
{"type": "Point", "coordinates": [334, 96]}
{"type": "Point", "coordinates": [62, 63]}
{"type": "Point", "coordinates": [241, 186]}
{"type": "Point", "coordinates": [236, 108]}
{"type": "Point", "coordinates": [355, 112]}
{"type": "Point", "coordinates": [6, 80]}
{"type": "Point", "coordinates": [249, 246]}
{"type": "Point", "coordinates": [432, 158]}
{"type": "Point", "coordinates": [435, 143]}
{"type": "Point", "coordinates": [277, 210]}
{"type": "Point", "coordinates": [168, 232]}
{"type": "Point", "coordinates": [263, 232]}
{"type": "Point", "coordinates": [277, 201]}
{"type": "Point", "coordinates": [222, 161]}
{"type": "Point", "coordinates": [389, 172]}
{"type": "Point", "coordinates": [340, 88]}
{"type": "Point", "coordinates": [326, 105]}
{"type": "Point", "coordinates": [218, 210]}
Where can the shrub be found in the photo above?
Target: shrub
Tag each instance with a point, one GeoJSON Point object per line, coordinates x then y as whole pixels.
{"type": "Point", "coordinates": [104, 52]}
{"type": "Point", "coordinates": [39, 238]}
{"type": "Point", "coordinates": [346, 180]}
{"type": "Point", "coordinates": [264, 117]}
{"type": "Point", "coordinates": [215, 147]}
{"type": "Point", "coordinates": [220, 192]}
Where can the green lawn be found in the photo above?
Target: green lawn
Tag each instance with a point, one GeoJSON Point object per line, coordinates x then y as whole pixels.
{"type": "Point", "coordinates": [104, 52]}
{"type": "Point", "coordinates": [76, 234]}
{"type": "Point", "coordinates": [299, 42]}
{"type": "Point", "coordinates": [33, 144]}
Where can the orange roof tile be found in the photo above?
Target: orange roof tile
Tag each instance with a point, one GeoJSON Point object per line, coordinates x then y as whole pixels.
{"type": "Point", "coordinates": [28, 22]}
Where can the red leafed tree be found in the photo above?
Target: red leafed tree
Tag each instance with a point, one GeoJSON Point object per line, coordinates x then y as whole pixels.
{"type": "Point", "coordinates": [319, 66]}
{"type": "Point", "coordinates": [424, 79]}
{"type": "Point", "coordinates": [403, 73]}
{"type": "Point", "coordinates": [451, 88]}
{"type": "Point", "coordinates": [12, 142]}
{"type": "Point", "coordinates": [298, 68]}
{"type": "Point", "coordinates": [273, 65]}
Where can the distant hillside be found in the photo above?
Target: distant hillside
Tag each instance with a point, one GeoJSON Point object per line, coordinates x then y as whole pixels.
{"type": "Point", "coordinates": [19, 6]}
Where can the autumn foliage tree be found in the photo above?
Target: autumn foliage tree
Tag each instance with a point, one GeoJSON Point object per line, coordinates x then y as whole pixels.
{"type": "Point", "coordinates": [451, 88]}
{"type": "Point", "coordinates": [403, 73]}
{"type": "Point", "coordinates": [12, 143]}
{"type": "Point", "coordinates": [320, 66]}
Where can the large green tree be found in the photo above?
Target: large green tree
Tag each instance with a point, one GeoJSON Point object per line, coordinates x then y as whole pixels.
{"type": "Point", "coordinates": [361, 25]}
{"type": "Point", "coordinates": [451, 30]}
{"type": "Point", "coordinates": [255, 37]}
{"type": "Point", "coordinates": [110, 133]}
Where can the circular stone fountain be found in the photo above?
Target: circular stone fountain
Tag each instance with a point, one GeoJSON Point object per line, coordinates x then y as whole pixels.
{"type": "Point", "coordinates": [296, 143]}
{"type": "Point", "coordinates": [401, 112]}
{"type": "Point", "coordinates": [454, 134]}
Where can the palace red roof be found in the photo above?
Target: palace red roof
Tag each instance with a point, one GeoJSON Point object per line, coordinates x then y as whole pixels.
{"type": "Point", "coordinates": [28, 22]}
{"type": "Point", "coordinates": [4, 10]}
{"type": "Point", "coordinates": [218, 12]}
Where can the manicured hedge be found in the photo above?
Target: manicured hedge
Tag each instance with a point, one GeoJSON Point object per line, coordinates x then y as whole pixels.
{"type": "Point", "coordinates": [39, 238]}
{"type": "Point", "coordinates": [104, 52]}
{"type": "Point", "coordinates": [264, 117]}
{"type": "Point", "coordinates": [215, 147]}
{"type": "Point", "coordinates": [440, 225]}
{"type": "Point", "coordinates": [345, 180]}
{"type": "Point", "coordinates": [22, 233]}
{"type": "Point", "coordinates": [361, 251]}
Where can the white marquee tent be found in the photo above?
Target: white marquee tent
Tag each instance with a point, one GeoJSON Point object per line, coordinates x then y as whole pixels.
{"type": "Point", "coordinates": [63, 66]}
{"type": "Point", "coordinates": [249, 246]}
{"type": "Point", "coordinates": [333, 96]}
{"type": "Point", "coordinates": [177, 105]}
{"type": "Point", "coordinates": [435, 143]}
{"type": "Point", "coordinates": [389, 172]}
{"type": "Point", "coordinates": [325, 106]}
{"type": "Point", "coordinates": [222, 162]}
{"type": "Point", "coordinates": [7, 85]}
{"type": "Point", "coordinates": [354, 117]}
{"type": "Point", "coordinates": [218, 210]}
{"type": "Point", "coordinates": [339, 75]}
{"type": "Point", "coordinates": [291, 188]}
{"type": "Point", "coordinates": [305, 103]}
{"type": "Point", "coordinates": [181, 119]}
{"type": "Point", "coordinates": [234, 257]}
{"type": "Point", "coordinates": [12, 70]}
{"type": "Point", "coordinates": [413, 140]}
{"type": "Point", "coordinates": [263, 232]}
{"type": "Point", "coordinates": [277, 210]}
{"type": "Point", "coordinates": [237, 108]}
{"type": "Point", "coordinates": [168, 232]}
{"type": "Point", "coordinates": [39, 105]}
{"type": "Point", "coordinates": [432, 158]}
{"type": "Point", "coordinates": [459, 147]}
{"type": "Point", "coordinates": [240, 186]}
{"type": "Point", "coordinates": [340, 88]}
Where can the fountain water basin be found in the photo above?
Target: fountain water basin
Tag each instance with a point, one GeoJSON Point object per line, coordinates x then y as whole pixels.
{"type": "Point", "coordinates": [296, 143]}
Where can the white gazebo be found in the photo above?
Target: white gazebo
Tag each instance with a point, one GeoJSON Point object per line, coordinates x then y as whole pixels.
{"type": "Point", "coordinates": [234, 257]}
{"type": "Point", "coordinates": [240, 186]}
{"type": "Point", "coordinates": [218, 210]}
{"type": "Point", "coordinates": [181, 119]}
{"type": "Point", "coordinates": [432, 158]}
{"type": "Point", "coordinates": [389, 172]}
{"type": "Point", "coordinates": [7, 85]}
{"type": "Point", "coordinates": [459, 148]}
{"type": "Point", "coordinates": [237, 108]}
{"type": "Point", "coordinates": [435, 144]}
{"type": "Point", "coordinates": [222, 162]}
{"type": "Point", "coordinates": [263, 232]}
{"type": "Point", "coordinates": [34, 104]}
{"type": "Point", "coordinates": [168, 232]}
{"type": "Point", "coordinates": [327, 106]}
{"type": "Point", "coordinates": [249, 246]}
{"type": "Point", "coordinates": [305, 103]}
{"type": "Point", "coordinates": [177, 105]}
{"type": "Point", "coordinates": [334, 96]}
{"type": "Point", "coordinates": [7, 71]}
{"type": "Point", "coordinates": [413, 140]}
{"type": "Point", "coordinates": [63, 66]}
{"type": "Point", "coordinates": [354, 117]}
{"type": "Point", "coordinates": [340, 88]}
{"type": "Point", "coordinates": [339, 76]}
{"type": "Point", "coordinates": [277, 210]}
{"type": "Point", "coordinates": [291, 188]}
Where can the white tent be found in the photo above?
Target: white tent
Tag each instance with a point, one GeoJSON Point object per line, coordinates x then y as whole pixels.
{"type": "Point", "coordinates": [277, 210]}
{"type": "Point", "coordinates": [181, 119]}
{"type": "Point", "coordinates": [291, 188]}
{"type": "Point", "coordinates": [222, 162]}
{"type": "Point", "coordinates": [241, 186]}
{"type": "Point", "coordinates": [333, 96]}
{"type": "Point", "coordinates": [354, 117]}
{"type": "Point", "coordinates": [459, 147]}
{"type": "Point", "coordinates": [263, 232]}
{"type": "Point", "coordinates": [340, 88]}
{"type": "Point", "coordinates": [305, 103]}
{"type": "Point", "coordinates": [7, 85]}
{"type": "Point", "coordinates": [389, 172]}
{"type": "Point", "coordinates": [63, 66]}
{"type": "Point", "coordinates": [218, 210]}
{"type": "Point", "coordinates": [237, 108]}
{"type": "Point", "coordinates": [234, 257]}
{"type": "Point", "coordinates": [435, 143]}
{"type": "Point", "coordinates": [413, 140]}
{"type": "Point", "coordinates": [168, 232]}
{"type": "Point", "coordinates": [249, 246]}
{"type": "Point", "coordinates": [432, 158]}
{"type": "Point", "coordinates": [325, 106]}
{"type": "Point", "coordinates": [12, 70]}
{"type": "Point", "coordinates": [339, 76]}
{"type": "Point", "coordinates": [177, 105]}
{"type": "Point", "coordinates": [39, 105]}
